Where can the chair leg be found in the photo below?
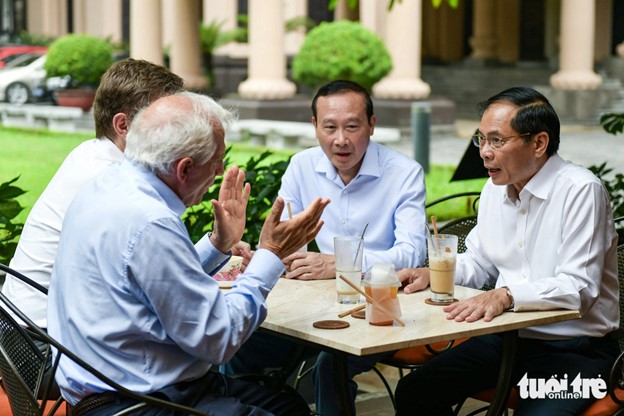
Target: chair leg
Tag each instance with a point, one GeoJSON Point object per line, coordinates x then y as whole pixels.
{"type": "Point", "coordinates": [301, 373]}
{"type": "Point", "coordinates": [386, 385]}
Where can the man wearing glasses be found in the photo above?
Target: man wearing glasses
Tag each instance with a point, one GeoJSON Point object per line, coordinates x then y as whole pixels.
{"type": "Point", "coordinates": [545, 238]}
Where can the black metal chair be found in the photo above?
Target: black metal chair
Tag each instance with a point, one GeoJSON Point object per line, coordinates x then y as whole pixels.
{"type": "Point", "coordinates": [22, 365]}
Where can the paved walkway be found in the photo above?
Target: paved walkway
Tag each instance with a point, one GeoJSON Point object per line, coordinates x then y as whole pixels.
{"type": "Point", "coordinates": [583, 145]}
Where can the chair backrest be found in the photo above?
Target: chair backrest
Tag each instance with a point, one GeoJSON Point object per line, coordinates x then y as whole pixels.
{"type": "Point", "coordinates": [459, 227]}
{"type": "Point", "coordinates": [22, 365]}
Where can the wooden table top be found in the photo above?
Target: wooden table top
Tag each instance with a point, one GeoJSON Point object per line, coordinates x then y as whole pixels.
{"type": "Point", "coordinates": [294, 305]}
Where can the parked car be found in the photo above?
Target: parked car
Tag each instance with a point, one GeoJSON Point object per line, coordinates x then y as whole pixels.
{"type": "Point", "coordinates": [9, 53]}
{"type": "Point", "coordinates": [17, 84]}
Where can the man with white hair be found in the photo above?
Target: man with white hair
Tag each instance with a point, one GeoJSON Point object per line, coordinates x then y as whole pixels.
{"type": "Point", "coordinates": [144, 310]}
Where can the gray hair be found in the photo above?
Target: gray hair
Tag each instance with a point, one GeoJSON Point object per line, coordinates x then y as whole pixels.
{"type": "Point", "coordinates": [180, 125]}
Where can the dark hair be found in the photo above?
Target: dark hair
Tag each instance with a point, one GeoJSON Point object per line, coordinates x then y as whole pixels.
{"type": "Point", "coordinates": [128, 86]}
{"type": "Point", "coordinates": [535, 114]}
{"type": "Point", "coordinates": [341, 86]}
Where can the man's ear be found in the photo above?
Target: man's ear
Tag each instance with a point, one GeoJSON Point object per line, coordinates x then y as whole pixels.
{"type": "Point", "coordinates": [541, 143]}
{"type": "Point", "coordinates": [121, 125]}
{"type": "Point", "coordinates": [314, 121]}
{"type": "Point", "coordinates": [183, 168]}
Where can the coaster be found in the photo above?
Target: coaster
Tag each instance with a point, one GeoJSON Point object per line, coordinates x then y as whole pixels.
{"type": "Point", "coordinates": [330, 324]}
{"type": "Point", "coordinates": [428, 301]}
{"type": "Point", "coordinates": [359, 314]}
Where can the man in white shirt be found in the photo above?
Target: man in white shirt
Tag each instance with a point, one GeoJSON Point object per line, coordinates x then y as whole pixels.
{"type": "Point", "coordinates": [545, 238]}
{"type": "Point", "coordinates": [125, 88]}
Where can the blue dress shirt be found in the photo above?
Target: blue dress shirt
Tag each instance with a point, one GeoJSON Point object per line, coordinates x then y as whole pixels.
{"type": "Point", "coordinates": [388, 194]}
{"type": "Point", "coordinates": [132, 296]}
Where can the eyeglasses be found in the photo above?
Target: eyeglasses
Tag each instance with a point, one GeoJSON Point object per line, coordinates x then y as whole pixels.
{"type": "Point", "coordinates": [495, 142]}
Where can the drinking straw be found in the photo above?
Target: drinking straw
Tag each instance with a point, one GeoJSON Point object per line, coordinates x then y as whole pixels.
{"type": "Point", "coordinates": [289, 211]}
{"type": "Point", "coordinates": [371, 300]}
{"type": "Point", "coordinates": [352, 310]}
{"type": "Point", "coordinates": [357, 252]}
{"type": "Point", "coordinates": [435, 231]}
{"type": "Point", "coordinates": [429, 236]}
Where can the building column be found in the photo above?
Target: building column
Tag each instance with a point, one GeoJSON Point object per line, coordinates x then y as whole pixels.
{"type": "Point", "coordinates": [54, 14]}
{"type": "Point", "coordinates": [344, 12]}
{"type": "Point", "coordinates": [145, 31]}
{"type": "Point", "coordinates": [508, 31]}
{"type": "Point", "coordinates": [293, 39]}
{"type": "Point", "coordinates": [266, 66]}
{"type": "Point", "coordinates": [222, 12]}
{"type": "Point", "coordinates": [404, 21]}
{"type": "Point", "coordinates": [372, 13]}
{"type": "Point", "coordinates": [577, 47]}
{"type": "Point", "coordinates": [483, 41]}
{"type": "Point", "coordinates": [185, 51]}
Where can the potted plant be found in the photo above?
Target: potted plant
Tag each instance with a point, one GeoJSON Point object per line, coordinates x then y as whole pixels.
{"type": "Point", "coordinates": [81, 60]}
{"type": "Point", "coordinates": [341, 50]}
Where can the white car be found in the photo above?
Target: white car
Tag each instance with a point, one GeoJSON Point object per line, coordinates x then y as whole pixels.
{"type": "Point", "coordinates": [18, 83]}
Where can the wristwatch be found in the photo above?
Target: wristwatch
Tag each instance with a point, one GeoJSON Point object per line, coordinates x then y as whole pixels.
{"type": "Point", "coordinates": [511, 298]}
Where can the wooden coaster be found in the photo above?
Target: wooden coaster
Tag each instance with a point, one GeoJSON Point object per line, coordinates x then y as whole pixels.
{"type": "Point", "coordinates": [428, 301]}
{"type": "Point", "coordinates": [359, 314]}
{"type": "Point", "coordinates": [330, 324]}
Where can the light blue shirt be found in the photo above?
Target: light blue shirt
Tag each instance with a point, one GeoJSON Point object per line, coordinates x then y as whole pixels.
{"type": "Point", "coordinates": [132, 296]}
{"type": "Point", "coordinates": [388, 194]}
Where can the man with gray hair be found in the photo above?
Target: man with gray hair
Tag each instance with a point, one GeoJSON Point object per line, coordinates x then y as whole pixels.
{"type": "Point", "coordinates": [145, 311]}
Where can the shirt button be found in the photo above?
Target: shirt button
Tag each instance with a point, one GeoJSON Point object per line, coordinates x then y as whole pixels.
{"type": "Point", "coordinates": [522, 211]}
{"type": "Point", "coordinates": [344, 220]}
{"type": "Point", "coordinates": [520, 244]}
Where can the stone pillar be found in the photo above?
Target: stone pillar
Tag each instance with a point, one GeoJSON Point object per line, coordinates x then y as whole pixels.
{"type": "Point", "coordinates": [577, 47]}
{"type": "Point", "coordinates": [111, 18]}
{"type": "Point", "coordinates": [344, 12]}
{"type": "Point", "coordinates": [483, 41]}
{"type": "Point", "coordinates": [80, 17]}
{"type": "Point", "coordinates": [222, 12]}
{"type": "Point", "coordinates": [508, 31]}
{"type": "Point", "coordinates": [266, 67]}
{"type": "Point", "coordinates": [54, 17]}
{"type": "Point", "coordinates": [185, 52]}
{"type": "Point", "coordinates": [372, 13]}
{"type": "Point", "coordinates": [404, 22]}
{"type": "Point", "coordinates": [293, 39]}
{"type": "Point", "coordinates": [145, 31]}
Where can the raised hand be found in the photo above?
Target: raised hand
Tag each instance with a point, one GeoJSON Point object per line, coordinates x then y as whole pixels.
{"type": "Point", "coordinates": [285, 237]}
{"type": "Point", "coordinates": [230, 210]}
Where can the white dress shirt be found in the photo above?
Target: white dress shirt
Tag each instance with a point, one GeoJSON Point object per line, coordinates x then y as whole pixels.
{"type": "Point", "coordinates": [36, 250]}
{"type": "Point", "coordinates": [388, 194]}
{"type": "Point", "coordinates": [554, 247]}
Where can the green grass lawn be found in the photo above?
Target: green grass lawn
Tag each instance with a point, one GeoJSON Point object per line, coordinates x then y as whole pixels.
{"type": "Point", "coordinates": [35, 156]}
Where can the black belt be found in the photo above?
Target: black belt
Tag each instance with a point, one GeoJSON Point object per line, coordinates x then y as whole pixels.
{"type": "Point", "coordinates": [93, 401]}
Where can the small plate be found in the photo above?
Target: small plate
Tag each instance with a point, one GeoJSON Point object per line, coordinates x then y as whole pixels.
{"type": "Point", "coordinates": [225, 284]}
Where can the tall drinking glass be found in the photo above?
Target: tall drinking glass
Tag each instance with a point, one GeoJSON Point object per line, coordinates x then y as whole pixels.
{"type": "Point", "coordinates": [442, 259]}
{"type": "Point", "coordinates": [348, 251]}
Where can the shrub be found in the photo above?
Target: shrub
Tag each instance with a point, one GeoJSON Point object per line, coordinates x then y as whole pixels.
{"type": "Point", "coordinates": [9, 209]}
{"type": "Point", "coordinates": [84, 58]}
{"type": "Point", "coordinates": [265, 179]}
{"type": "Point", "coordinates": [341, 50]}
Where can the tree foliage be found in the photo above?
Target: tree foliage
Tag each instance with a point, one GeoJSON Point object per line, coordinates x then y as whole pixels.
{"type": "Point", "coordinates": [9, 209]}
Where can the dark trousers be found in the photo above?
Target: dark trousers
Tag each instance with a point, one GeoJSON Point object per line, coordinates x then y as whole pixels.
{"type": "Point", "coordinates": [218, 394]}
{"type": "Point", "coordinates": [473, 366]}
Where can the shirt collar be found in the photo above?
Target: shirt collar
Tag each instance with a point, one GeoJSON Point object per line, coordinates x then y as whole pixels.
{"type": "Point", "coordinates": [167, 195]}
{"type": "Point", "coordinates": [542, 182]}
{"type": "Point", "coordinates": [370, 165]}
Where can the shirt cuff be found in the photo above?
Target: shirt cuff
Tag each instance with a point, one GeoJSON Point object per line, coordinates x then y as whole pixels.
{"type": "Point", "coordinates": [211, 258]}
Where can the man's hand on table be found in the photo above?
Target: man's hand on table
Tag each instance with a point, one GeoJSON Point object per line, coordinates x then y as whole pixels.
{"type": "Point", "coordinates": [414, 280]}
{"type": "Point", "coordinates": [285, 237]}
{"type": "Point", "coordinates": [310, 266]}
{"type": "Point", "coordinates": [486, 305]}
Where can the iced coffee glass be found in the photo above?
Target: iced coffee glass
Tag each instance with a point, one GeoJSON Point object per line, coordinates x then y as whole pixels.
{"type": "Point", "coordinates": [348, 251]}
{"type": "Point", "coordinates": [442, 259]}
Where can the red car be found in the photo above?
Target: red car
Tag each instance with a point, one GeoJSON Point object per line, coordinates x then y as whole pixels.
{"type": "Point", "coordinates": [8, 53]}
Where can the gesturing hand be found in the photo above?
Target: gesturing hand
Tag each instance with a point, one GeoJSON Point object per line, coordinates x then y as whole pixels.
{"type": "Point", "coordinates": [285, 237]}
{"type": "Point", "coordinates": [230, 210]}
